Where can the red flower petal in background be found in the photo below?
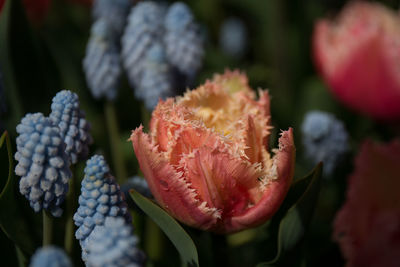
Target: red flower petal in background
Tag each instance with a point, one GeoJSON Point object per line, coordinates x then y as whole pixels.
{"type": "Point", "coordinates": [367, 227]}
{"type": "Point", "coordinates": [358, 55]}
{"type": "Point", "coordinates": [36, 10]}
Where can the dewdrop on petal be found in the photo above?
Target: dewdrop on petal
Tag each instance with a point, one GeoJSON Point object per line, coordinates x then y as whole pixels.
{"type": "Point", "coordinates": [114, 244]}
{"type": "Point", "coordinates": [157, 81]}
{"type": "Point", "coordinates": [102, 61]}
{"type": "Point", "coordinates": [43, 163]}
{"type": "Point", "coordinates": [70, 119]}
{"type": "Point", "coordinates": [112, 11]}
{"type": "Point", "coordinates": [183, 41]}
{"type": "Point", "coordinates": [144, 27]}
{"type": "Point", "coordinates": [324, 139]}
{"type": "Point", "coordinates": [50, 256]}
{"type": "Point", "coordinates": [100, 198]}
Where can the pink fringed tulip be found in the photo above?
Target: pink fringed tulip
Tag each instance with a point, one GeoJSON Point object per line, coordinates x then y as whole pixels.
{"type": "Point", "coordinates": [206, 160]}
{"type": "Point", "coordinates": [368, 225]}
{"type": "Point", "coordinates": [358, 55]}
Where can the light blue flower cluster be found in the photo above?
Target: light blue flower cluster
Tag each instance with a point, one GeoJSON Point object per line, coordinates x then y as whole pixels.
{"type": "Point", "coordinates": [102, 61]}
{"type": "Point", "coordinates": [325, 139]}
{"type": "Point", "coordinates": [137, 183]}
{"type": "Point", "coordinates": [50, 256]}
{"type": "Point", "coordinates": [114, 244]}
{"type": "Point", "coordinates": [183, 41]}
{"type": "Point", "coordinates": [100, 198]}
{"type": "Point", "coordinates": [144, 27]}
{"type": "Point", "coordinates": [157, 80]}
{"type": "Point", "coordinates": [158, 46]}
{"type": "Point", "coordinates": [43, 163]}
{"type": "Point", "coordinates": [233, 37]}
{"type": "Point", "coordinates": [70, 119]}
{"type": "Point", "coordinates": [114, 12]}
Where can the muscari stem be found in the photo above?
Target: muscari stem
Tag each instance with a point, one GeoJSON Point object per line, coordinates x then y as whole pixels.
{"type": "Point", "coordinates": [69, 227]}
{"type": "Point", "coordinates": [47, 228]}
{"type": "Point", "coordinates": [113, 132]}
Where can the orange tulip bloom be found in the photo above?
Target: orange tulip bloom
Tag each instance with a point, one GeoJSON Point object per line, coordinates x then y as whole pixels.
{"type": "Point", "coordinates": [206, 160]}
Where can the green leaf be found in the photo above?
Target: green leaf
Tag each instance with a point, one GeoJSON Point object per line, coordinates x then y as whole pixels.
{"type": "Point", "coordinates": [13, 221]}
{"type": "Point", "coordinates": [181, 240]}
{"type": "Point", "coordinates": [295, 214]}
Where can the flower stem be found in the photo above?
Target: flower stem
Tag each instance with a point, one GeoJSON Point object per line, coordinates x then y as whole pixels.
{"type": "Point", "coordinates": [21, 257]}
{"type": "Point", "coordinates": [113, 132]}
{"type": "Point", "coordinates": [47, 228]}
{"type": "Point", "coordinates": [69, 227]}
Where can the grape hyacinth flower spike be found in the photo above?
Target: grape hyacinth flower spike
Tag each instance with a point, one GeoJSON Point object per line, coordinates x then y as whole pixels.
{"type": "Point", "coordinates": [102, 61]}
{"type": "Point", "coordinates": [100, 197]}
{"type": "Point", "coordinates": [112, 11]}
{"type": "Point", "coordinates": [183, 41]}
{"type": "Point", "coordinates": [233, 37]}
{"type": "Point", "coordinates": [144, 27]}
{"type": "Point", "coordinates": [70, 119]}
{"type": "Point", "coordinates": [43, 163]}
{"type": "Point", "coordinates": [50, 256]}
{"type": "Point", "coordinates": [325, 139]}
{"type": "Point", "coordinates": [157, 79]}
{"type": "Point", "coordinates": [114, 244]}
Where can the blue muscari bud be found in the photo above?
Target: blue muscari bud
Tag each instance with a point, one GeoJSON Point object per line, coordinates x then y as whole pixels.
{"type": "Point", "coordinates": [178, 17]}
{"type": "Point", "coordinates": [157, 80]}
{"type": "Point", "coordinates": [114, 12]}
{"type": "Point", "coordinates": [137, 183]}
{"type": "Point", "coordinates": [43, 163]}
{"type": "Point", "coordinates": [183, 40]}
{"type": "Point", "coordinates": [100, 198]}
{"type": "Point", "coordinates": [50, 256]}
{"type": "Point", "coordinates": [102, 61]}
{"type": "Point", "coordinates": [70, 119]}
{"type": "Point", "coordinates": [325, 139]}
{"type": "Point", "coordinates": [233, 37]}
{"type": "Point", "coordinates": [114, 244]}
{"type": "Point", "coordinates": [144, 27]}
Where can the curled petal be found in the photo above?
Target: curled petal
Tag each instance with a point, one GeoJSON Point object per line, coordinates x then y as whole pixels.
{"type": "Point", "coordinates": [276, 189]}
{"type": "Point", "coordinates": [168, 186]}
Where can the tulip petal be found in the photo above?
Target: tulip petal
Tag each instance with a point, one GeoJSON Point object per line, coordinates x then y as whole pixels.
{"type": "Point", "coordinates": [168, 185]}
{"type": "Point", "coordinates": [276, 188]}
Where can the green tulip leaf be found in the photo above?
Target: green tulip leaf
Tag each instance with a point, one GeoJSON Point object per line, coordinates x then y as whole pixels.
{"type": "Point", "coordinates": [13, 221]}
{"type": "Point", "coordinates": [174, 231]}
{"type": "Point", "coordinates": [295, 214]}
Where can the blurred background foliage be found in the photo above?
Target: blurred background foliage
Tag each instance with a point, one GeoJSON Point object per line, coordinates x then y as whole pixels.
{"type": "Point", "coordinates": [47, 57]}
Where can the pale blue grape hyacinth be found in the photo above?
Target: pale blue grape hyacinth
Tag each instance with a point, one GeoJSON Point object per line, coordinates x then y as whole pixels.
{"type": "Point", "coordinates": [114, 12]}
{"type": "Point", "coordinates": [183, 40]}
{"type": "Point", "coordinates": [114, 244]}
{"type": "Point", "coordinates": [50, 256]}
{"type": "Point", "coordinates": [70, 119]}
{"type": "Point", "coordinates": [102, 61]}
{"type": "Point", "coordinates": [137, 183]}
{"type": "Point", "coordinates": [233, 37]}
{"type": "Point", "coordinates": [144, 27]}
{"type": "Point", "coordinates": [100, 198]}
{"type": "Point", "coordinates": [325, 139]}
{"type": "Point", "coordinates": [43, 163]}
{"type": "Point", "coordinates": [157, 79]}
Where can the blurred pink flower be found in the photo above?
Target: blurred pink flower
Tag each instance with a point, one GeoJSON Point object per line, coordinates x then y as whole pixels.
{"type": "Point", "coordinates": [358, 55]}
{"type": "Point", "coordinates": [367, 227]}
{"type": "Point", "coordinates": [36, 10]}
{"type": "Point", "coordinates": [206, 160]}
